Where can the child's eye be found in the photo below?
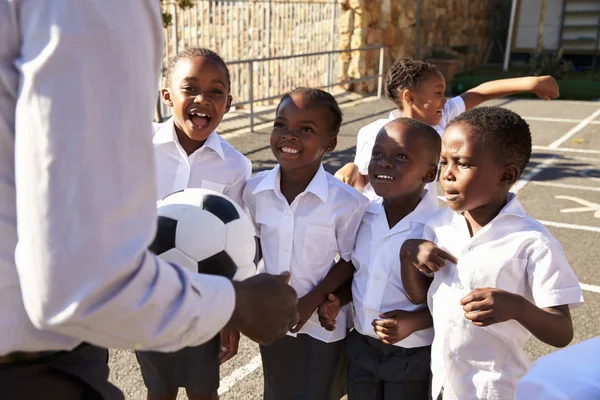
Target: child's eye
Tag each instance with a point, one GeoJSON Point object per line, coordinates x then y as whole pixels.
{"type": "Point", "coordinates": [188, 89]}
{"type": "Point", "coordinates": [278, 125]}
{"type": "Point", "coordinates": [443, 162]}
{"type": "Point", "coordinates": [307, 129]}
{"type": "Point", "coordinates": [216, 91]}
{"type": "Point", "coordinates": [376, 154]}
{"type": "Point", "coordinates": [401, 156]}
{"type": "Point", "coordinates": [463, 165]}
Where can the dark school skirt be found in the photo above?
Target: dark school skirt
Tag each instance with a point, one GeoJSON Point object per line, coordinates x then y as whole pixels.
{"type": "Point", "coordinates": [379, 371]}
{"type": "Point", "coordinates": [194, 368]}
{"type": "Point", "coordinates": [304, 368]}
{"type": "Point", "coordinates": [79, 374]}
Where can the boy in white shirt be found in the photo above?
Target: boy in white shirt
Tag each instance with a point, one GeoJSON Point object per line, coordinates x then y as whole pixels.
{"type": "Point", "coordinates": [499, 276]}
{"type": "Point", "coordinates": [417, 89]}
{"type": "Point", "coordinates": [304, 217]}
{"type": "Point", "coordinates": [389, 348]}
{"type": "Point", "coordinates": [190, 153]}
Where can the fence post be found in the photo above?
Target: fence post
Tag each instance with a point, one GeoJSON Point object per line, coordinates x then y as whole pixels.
{"type": "Point", "coordinates": [380, 77]}
{"type": "Point", "coordinates": [250, 93]}
{"type": "Point", "coordinates": [174, 30]}
{"type": "Point", "coordinates": [417, 29]}
{"type": "Point", "coordinates": [332, 39]}
{"type": "Point", "coordinates": [268, 28]}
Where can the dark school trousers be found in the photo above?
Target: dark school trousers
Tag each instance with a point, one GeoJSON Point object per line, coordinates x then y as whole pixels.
{"type": "Point", "coordinates": [304, 368]}
{"type": "Point", "coordinates": [379, 371]}
{"type": "Point", "coordinates": [79, 374]}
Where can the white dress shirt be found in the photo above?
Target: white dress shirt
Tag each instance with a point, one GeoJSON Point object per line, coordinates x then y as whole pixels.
{"type": "Point", "coordinates": [304, 237]}
{"type": "Point", "coordinates": [513, 252]}
{"type": "Point", "coordinates": [365, 140]}
{"type": "Point", "coordinates": [78, 186]}
{"type": "Point", "coordinates": [567, 374]}
{"type": "Point", "coordinates": [216, 165]}
{"type": "Point", "coordinates": [377, 286]}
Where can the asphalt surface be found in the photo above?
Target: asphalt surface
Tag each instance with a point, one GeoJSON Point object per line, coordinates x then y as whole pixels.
{"type": "Point", "coordinates": [561, 187]}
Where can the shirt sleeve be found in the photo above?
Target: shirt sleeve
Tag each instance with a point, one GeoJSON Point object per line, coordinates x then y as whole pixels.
{"type": "Point", "coordinates": [346, 232]}
{"type": "Point", "coordinates": [85, 182]}
{"type": "Point", "coordinates": [236, 190]}
{"type": "Point", "coordinates": [551, 278]}
{"type": "Point", "coordinates": [364, 147]}
{"type": "Point", "coordinates": [452, 109]}
{"type": "Point", "coordinates": [249, 201]}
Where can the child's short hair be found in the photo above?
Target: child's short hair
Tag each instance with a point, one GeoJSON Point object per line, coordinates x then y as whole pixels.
{"type": "Point", "coordinates": [323, 98]}
{"type": "Point", "coordinates": [433, 138]}
{"type": "Point", "coordinates": [405, 74]}
{"type": "Point", "coordinates": [501, 129]}
{"type": "Point", "coordinates": [194, 52]}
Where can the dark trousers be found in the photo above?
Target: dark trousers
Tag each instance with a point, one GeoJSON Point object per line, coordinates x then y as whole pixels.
{"type": "Point", "coordinates": [304, 368]}
{"type": "Point", "coordinates": [379, 371]}
{"type": "Point", "coordinates": [79, 374]}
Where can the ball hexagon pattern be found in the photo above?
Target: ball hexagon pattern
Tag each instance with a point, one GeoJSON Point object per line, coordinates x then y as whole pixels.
{"type": "Point", "coordinates": [206, 232]}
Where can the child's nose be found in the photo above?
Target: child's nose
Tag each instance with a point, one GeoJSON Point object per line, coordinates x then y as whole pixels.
{"type": "Point", "coordinates": [199, 98]}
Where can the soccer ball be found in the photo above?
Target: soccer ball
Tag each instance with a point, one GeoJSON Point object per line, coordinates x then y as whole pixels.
{"type": "Point", "coordinates": [206, 232]}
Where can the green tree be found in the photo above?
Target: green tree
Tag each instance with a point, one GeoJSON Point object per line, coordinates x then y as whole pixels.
{"type": "Point", "coordinates": [167, 17]}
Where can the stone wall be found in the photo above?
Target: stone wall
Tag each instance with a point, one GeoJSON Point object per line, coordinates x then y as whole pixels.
{"type": "Point", "coordinates": [393, 23]}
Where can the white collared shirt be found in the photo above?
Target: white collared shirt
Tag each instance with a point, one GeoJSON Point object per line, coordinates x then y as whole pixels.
{"type": "Point", "coordinates": [304, 237]}
{"type": "Point", "coordinates": [365, 140]}
{"type": "Point", "coordinates": [216, 165]}
{"type": "Point", "coordinates": [78, 185]}
{"type": "Point", "coordinates": [513, 252]}
{"type": "Point", "coordinates": [377, 286]}
{"type": "Point", "coordinates": [567, 374]}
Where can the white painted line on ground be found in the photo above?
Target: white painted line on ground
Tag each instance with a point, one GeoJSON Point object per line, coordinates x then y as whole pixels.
{"type": "Point", "coordinates": [573, 131]}
{"type": "Point", "coordinates": [571, 226]}
{"type": "Point", "coordinates": [595, 123]}
{"type": "Point", "coordinates": [546, 119]}
{"type": "Point", "coordinates": [567, 186]}
{"type": "Point", "coordinates": [590, 288]}
{"type": "Point", "coordinates": [567, 150]}
{"type": "Point", "coordinates": [237, 375]}
{"type": "Point", "coordinates": [521, 183]}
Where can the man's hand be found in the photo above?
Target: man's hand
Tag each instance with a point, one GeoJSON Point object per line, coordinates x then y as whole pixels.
{"type": "Point", "coordinates": [266, 307]}
{"type": "Point", "coordinates": [545, 87]}
{"type": "Point", "coordinates": [425, 255]}
{"type": "Point", "coordinates": [489, 306]}
{"type": "Point", "coordinates": [306, 307]}
{"type": "Point", "coordinates": [328, 312]}
{"type": "Point", "coordinates": [394, 326]}
{"type": "Point", "coordinates": [230, 338]}
{"type": "Point", "coordinates": [348, 174]}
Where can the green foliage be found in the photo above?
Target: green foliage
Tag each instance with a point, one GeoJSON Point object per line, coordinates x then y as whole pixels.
{"type": "Point", "coordinates": [167, 17]}
{"type": "Point", "coordinates": [548, 62]}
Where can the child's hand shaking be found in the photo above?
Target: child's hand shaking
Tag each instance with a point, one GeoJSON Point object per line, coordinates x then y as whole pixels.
{"type": "Point", "coordinates": [425, 256]}
{"type": "Point", "coordinates": [394, 326]}
{"type": "Point", "coordinates": [328, 312]}
{"type": "Point", "coordinates": [489, 306]}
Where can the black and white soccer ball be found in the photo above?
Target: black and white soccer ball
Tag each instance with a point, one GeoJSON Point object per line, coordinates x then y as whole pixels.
{"type": "Point", "coordinates": [206, 232]}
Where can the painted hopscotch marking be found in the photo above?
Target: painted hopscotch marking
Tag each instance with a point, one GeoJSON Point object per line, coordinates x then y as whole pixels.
{"type": "Point", "coordinates": [239, 374]}
{"type": "Point", "coordinates": [573, 131]}
{"type": "Point", "coordinates": [570, 226]}
{"type": "Point", "coordinates": [587, 206]}
{"type": "Point", "coordinates": [566, 186]}
{"type": "Point", "coordinates": [521, 183]}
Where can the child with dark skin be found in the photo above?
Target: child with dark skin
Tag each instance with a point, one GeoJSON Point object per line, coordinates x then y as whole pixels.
{"type": "Point", "coordinates": [304, 217]}
{"type": "Point", "coordinates": [480, 237]}
{"type": "Point", "coordinates": [403, 161]}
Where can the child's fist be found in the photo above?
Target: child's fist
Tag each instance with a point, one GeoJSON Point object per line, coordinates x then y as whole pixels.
{"type": "Point", "coordinates": [545, 87]}
{"type": "Point", "coordinates": [328, 312]}
{"type": "Point", "coordinates": [394, 326]}
{"type": "Point", "coordinates": [348, 174]}
{"type": "Point", "coordinates": [425, 255]}
{"type": "Point", "coordinates": [489, 306]}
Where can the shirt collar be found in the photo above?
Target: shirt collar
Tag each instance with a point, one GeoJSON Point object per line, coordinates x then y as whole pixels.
{"type": "Point", "coordinates": [423, 211]}
{"type": "Point", "coordinates": [319, 184]}
{"type": "Point", "coordinates": [165, 133]}
{"type": "Point", "coordinates": [395, 115]}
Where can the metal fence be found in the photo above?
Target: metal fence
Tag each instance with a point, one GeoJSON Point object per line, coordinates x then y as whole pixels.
{"type": "Point", "coordinates": [270, 46]}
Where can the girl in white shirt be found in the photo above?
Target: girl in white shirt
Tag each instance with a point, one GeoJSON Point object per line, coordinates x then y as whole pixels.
{"type": "Point", "coordinates": [417, 89]}
{"type": "Point", "coordinates": [304, 218]}
{"type": "Point", "coordinates": [499, 276]}
{"type": "Point", "coordinates": [190, 153]}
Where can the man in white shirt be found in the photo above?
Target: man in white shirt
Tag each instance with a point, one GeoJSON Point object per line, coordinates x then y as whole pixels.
{"type": "Point", "coordinates": [77, 188]}
{"type": "Point", "coordinates": [567, 374]}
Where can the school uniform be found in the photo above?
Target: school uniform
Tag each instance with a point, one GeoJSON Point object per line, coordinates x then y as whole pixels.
{"type": "Point", "coordinates": [570, 373]}
{"type": "Point", "coordinates": [304, 238]}
{"type": "Point", "coordinates": [216, 166]}
{"type": "Point", "coordinates": [513, 252]}
{"type": "Point", "coordinates": [378, 370]}
{"type": "Point", "coordinates": [365, 140]}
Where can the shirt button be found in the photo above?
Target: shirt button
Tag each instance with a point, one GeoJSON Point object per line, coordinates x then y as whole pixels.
{"type": "Point", "coordinates": [376, 278]}
{"type": "Point", "coordinates": [460, 286]}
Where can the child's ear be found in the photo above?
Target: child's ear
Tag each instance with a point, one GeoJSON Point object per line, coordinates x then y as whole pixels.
{"type": "Point", "coordinates": [165, 94]}
{"type": "Point", "coordinates": [510, 174]}
{"type": "Point", "coordinates": [331, 144]}
{"type": "Point", "coordinates": [431, 174]}
{"type": "Point", "coordinates": [228, 106]}
{"type": "Point", "coordinates": [407, 96]}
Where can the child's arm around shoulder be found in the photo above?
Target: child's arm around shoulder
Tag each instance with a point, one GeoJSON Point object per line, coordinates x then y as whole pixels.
{"type": "Point", "coordinates": [544, 87]}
